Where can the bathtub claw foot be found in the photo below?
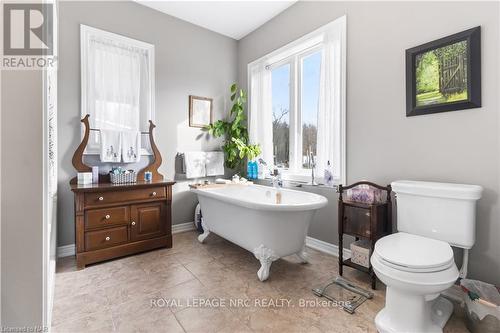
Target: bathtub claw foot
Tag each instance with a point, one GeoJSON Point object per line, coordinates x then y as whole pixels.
{"type": "Point", "coordinates": [302, 255]}
{"type": "Point", "coordinates": [263, 272]}
{"type": "Point", "coordinates": [206, 232]}
{"type": "Point", "coordinates": [266, 257]}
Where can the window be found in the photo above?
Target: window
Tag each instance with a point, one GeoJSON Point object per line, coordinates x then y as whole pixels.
{"type": "Point", "coordinates": [309, 99]}
{"type": "Point", "coordinates": [117, 83]}
{"type": "Point", "coordinates": [281, 115]}
{"type": "Point", "coordinates": [297, 104]}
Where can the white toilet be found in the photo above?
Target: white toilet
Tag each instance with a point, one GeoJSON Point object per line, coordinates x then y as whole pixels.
{"type": "Point", "coordinates": [416, 263]}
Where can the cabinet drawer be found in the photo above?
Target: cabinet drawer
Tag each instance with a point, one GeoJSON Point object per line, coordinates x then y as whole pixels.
{"type": "Point", "coordinates": [111, 197]}
{"type": "Point", "coordinates": [103, 217]}
{"type": "Point", "coordinates": [101, 239]}
{"type": "Point", "coordinates": [357, 221]}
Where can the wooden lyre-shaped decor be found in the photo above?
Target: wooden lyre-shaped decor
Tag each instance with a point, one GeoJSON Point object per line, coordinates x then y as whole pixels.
{"type": "Point", "coordinates": [156, 162]}
{"type": "Point", "coordinates": [80, 166]}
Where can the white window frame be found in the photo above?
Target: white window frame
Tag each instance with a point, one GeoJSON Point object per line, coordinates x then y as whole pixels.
{"type": "Point", "coordinates": [86, 32]}
{"type": "Point", "coordinates": [293, 54]}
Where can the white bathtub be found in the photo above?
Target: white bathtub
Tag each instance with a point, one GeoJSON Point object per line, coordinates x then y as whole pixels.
{"type": "Point", "coordinates": [249, 216]}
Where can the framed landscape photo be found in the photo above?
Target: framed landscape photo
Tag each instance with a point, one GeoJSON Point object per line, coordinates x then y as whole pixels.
{"type": "Point", "coordinates": [200, 111]}
{"type": "Point", "coordinates": [445, 74]}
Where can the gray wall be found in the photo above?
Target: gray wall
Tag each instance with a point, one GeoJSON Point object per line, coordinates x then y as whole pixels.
{"type": "Point", "coordinates": [22, 198]}
{"type": "Point", "coordinates": [382, 144]}
{"type": "Point", "coordinates": [189, 61]}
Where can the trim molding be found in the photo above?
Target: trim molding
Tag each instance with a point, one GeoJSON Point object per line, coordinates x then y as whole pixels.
{"type": "Point", "coordinates": [69, 250]}
{"type": "Point", "coordinates": [66, 250]}
{"type": "Point", "coordinates": [182, 227]}
{"type": "Point", "coordinates": [326, 247]}
{"type": "Point", "coordinates": [313, 243]}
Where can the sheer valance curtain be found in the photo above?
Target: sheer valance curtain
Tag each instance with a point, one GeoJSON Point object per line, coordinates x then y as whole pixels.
{"type": "Point", "coordinates": [118, 91]}
{"type": "Point", "coordinates": [331, 108]}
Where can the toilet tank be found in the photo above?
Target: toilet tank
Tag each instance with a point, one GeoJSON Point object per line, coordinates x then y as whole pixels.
{"type": "Point", "coordinates": [441, 211]}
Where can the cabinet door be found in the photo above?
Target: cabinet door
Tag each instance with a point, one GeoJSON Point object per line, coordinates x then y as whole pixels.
{"type": "Point", "coordinates": [149, 220]}
{"type": "Point", "coordinates": [357, 221]}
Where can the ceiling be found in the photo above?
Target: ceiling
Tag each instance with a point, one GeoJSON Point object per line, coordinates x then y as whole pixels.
{"type": "Point", "coordinates": [234, 19]}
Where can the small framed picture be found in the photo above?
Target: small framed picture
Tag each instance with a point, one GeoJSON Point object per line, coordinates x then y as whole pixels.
{"type": "Point", "coordinates": [445, 74]}
{"type": "Point", "coordinates": [200, 111]}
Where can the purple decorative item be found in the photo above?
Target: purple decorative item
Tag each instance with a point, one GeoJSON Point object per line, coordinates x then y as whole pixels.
{"type": "Point", "coordinates": [364, 194]}
{"type": "Point", "coordinates": [95, 174]}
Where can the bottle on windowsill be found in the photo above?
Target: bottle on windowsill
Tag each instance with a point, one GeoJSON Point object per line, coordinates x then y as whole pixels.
{"type": "Point", "coordinates": [328, 178]}
{"type": "Point", "coordinates": [249, 170]}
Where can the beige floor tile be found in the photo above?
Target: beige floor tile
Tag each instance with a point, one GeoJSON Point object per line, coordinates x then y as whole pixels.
{"type": "Point", "coordinates": [99, 322]}
{"type": "Point", "coordinates": [77, 305]}
{"type": "Point", "coordinates": [140, 315]}
{"type": "Point", "coordinates": [184, 295]}
{"type": "Point", "coordinates": [209, 320]}
{"type": "Point", "coordinates": [120, 294]}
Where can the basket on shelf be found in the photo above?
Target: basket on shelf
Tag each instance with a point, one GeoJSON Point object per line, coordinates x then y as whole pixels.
{"type": "Point", "coordinates": [122, 178]}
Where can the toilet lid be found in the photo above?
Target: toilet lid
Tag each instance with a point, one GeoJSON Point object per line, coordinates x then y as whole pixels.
{"type": "Point", "coordinates": [414, 253]}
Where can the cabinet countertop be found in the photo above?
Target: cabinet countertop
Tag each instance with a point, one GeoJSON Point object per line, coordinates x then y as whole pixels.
{"type": "Point", "coordinates": [110, 186]}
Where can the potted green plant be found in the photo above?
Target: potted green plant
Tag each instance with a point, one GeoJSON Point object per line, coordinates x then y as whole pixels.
{"type": "Point", "coordinates": [237, 148]}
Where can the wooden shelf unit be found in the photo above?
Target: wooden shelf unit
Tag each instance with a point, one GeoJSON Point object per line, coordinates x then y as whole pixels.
{"type": "Point", "coordinates": [363, 221]}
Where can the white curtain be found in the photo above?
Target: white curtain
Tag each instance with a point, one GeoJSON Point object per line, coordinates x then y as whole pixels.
{"type": "Point", "coordinates": [118, 86]}
{"type": "Point", "coordinates": [260, 113]}
{"type": "Point", "coordinates": [329, 106]}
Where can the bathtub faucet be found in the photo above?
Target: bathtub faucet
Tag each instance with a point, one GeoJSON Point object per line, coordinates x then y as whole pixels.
{"type": "Point", "coordinates": [276, 179]}
{"type": "Point", "coordinates": [312, 165]}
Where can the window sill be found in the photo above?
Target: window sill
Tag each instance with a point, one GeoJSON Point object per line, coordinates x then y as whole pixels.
{"type": "Point", "coordinates": [291, 184]}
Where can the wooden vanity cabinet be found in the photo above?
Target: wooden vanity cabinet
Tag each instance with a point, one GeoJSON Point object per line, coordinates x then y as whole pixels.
{"type": "Point", "coordinates": [114, 220]}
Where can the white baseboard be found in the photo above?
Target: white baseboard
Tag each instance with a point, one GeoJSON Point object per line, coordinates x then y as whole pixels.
{"type": "Point", "coordinates": [326, 247]}
{"type": "Point", "coordinates": [313, 243]}
{"type": "Point", "coordinates": [69, 250]}
{"type": "Point", "coordinates": [66, 251]}
{"type": "Point", "coordinates": [182, 227]}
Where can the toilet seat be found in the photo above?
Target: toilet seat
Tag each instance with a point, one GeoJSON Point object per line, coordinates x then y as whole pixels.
{"type": "Point", "coordinates": [412, 253]}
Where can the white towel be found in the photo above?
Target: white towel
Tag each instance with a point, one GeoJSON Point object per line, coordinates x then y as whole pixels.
{"type": "Point", "coordinates": [131, 146]}
{"type": "Point", "coordinates": [111, 146]}
{"type": "Point", "coordinates": [195, 164]}
{"type": "Point", "coordinates": [215, 163]}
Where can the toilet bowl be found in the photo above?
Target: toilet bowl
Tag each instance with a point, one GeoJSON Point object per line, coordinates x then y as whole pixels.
{"type": "Point", "coordinates": [415, 271]}
{"type": "Point", "coordinates": [416, 264]}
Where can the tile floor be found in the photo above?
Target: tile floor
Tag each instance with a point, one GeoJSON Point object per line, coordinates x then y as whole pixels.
{"type": "Point", "coordinates": [120, 295]}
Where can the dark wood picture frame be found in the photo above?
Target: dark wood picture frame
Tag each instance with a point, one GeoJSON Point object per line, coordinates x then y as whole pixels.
{"type": "Point", "coordinates": [191, 101]}
{"type": "Point", "coordinates": [473, 38]}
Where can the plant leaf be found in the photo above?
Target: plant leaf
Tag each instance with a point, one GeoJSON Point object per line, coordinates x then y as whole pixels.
{"type": "Point", "coordinates": [236, 145]}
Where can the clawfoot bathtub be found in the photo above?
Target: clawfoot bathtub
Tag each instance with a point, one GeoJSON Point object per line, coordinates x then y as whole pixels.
{"type": "Point", "coordinates": [249, 216]}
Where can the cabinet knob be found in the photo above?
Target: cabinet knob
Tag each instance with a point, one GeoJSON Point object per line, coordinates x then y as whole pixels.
{"type": "Point", "coordinates": [133, 222]}
{"type": "Point", "coordinates": [107, 217]}
{"type": "Point", "coordinates": [367, 214]}
{"type": "Point", "coordinates": [101, 198]}
{"type": "Point", "coordinates": [154, 194]}
{"type": "Point", "coordinates": [108, 238]}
